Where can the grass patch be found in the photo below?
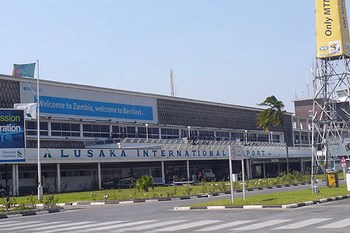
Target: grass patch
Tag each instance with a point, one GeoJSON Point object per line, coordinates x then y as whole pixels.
{"type": "Point", "coordinates": [280, 198]}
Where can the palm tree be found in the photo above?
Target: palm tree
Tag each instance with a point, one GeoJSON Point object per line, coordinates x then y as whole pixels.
{"type": "Point", "coordinates": [272, 116]}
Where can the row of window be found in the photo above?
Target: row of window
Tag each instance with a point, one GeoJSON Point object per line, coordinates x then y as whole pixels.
{"type": "Point", "coordinates": [82, 130]}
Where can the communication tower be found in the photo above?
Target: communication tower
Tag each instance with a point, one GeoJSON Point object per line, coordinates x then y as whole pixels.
{"type": "Point", "coordinates": [331, 84]}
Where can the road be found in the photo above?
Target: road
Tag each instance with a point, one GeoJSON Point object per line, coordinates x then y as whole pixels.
{"type": "Point", "coordinates": [161, 217]}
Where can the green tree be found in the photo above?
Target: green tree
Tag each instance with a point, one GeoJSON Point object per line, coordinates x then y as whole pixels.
{"type": "Point", "coordinates": [272, 117]}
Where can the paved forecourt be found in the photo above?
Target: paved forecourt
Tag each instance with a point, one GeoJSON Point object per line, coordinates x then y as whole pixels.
{"type": "Point", "coordinates": [179, 225]}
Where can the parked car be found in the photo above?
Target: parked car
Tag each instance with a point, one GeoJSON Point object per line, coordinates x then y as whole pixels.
{"type": "Point", "coordinates": [128, 182]}
{"type": "Point", "coordinates": [208, 174]}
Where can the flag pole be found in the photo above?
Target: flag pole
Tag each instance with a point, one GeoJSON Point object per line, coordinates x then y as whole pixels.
{"type": "Point", "coordinates": [40, 188]}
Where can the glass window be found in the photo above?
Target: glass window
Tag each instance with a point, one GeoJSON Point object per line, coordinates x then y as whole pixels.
{"type": "Point", "coordinates": [96, 131]}
{"type": "Point", "coordinates": [65, 129]}
{"type": "Point", "coordinates": [224, 136]}
{"type": "Point", "coordinates": [252, 137]}
{"type": "Point", "coordinates": [141, 132]}
{"type": "Point", "coordinates": [115, 131]}
{"type": "Point", "coordinates": [263, 137]}
{"type": "Point", "coordinates": [169, 133]}
{"type": "Point", "coordinates": [31, 128]}
{"type": "Point", "coordinates": [153, 132]}
{"type": "Point", "coordinates": [206, 135]}
{"type": "Point", "coordinates": [238, 136]}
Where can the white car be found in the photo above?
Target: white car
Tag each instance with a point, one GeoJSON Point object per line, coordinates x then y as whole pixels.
{"type": "Point", "coordinates": [208, 174]}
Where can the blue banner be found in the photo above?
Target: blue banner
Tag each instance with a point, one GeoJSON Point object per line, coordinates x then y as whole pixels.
{"type": "Point", "coordinates": [65, 106]}
{"type": "Point", "coordinates": [12, 137]}
{"type": "Point", "coordinates": [11, 129]}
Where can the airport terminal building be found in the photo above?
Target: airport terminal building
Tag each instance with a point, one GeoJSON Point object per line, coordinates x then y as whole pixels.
{"type": "Point", "coordinates": [89, 135]}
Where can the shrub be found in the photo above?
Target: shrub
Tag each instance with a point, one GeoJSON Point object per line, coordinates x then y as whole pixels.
{"type": "Point", "coordinates": [188, 189]}
{"type": "Point", "coordinates": [50, 200]}
{"type": "Point", "coordinates": [222, 186]}
{"type": "Point", "coordinates": [144, 183]}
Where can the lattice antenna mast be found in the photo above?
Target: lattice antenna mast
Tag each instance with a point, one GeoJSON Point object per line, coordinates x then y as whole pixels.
{"type": "Point", "coordinates": [172, 85]}
{"type": "Point", "coordinates": [330, 122]}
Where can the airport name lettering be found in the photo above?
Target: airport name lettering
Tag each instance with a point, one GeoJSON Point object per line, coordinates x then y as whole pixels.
{"type": "Point", "coordinates": [180, 153]}
{"type": "Point", "coordinates": [256, 153]}
{"type": "Point", "coordinates": [112, 153]}
{"type": "Point", "coordinates": [92, 153]}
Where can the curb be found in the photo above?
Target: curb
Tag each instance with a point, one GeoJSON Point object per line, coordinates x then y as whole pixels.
{"type": "Point", "coordinates": [250, 207]}
{"type": "Point", "coordinates": [32, 212]}
{"type": "Point", "coordinates": [108, 202]}
{"type": "Point", "coordinates": [60, 206]}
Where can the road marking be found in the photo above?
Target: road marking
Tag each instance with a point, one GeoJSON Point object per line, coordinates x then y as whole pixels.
{"type": "Point", "coordinates": [338, 224]}
{"type": "Point", "coordinates": [101, 229]}
{"type": "Point", "coordinates": [8, 222]}
{"type": "Point", "coordinates": [154, 225]}
{"type": "Point", "coordinates": [261, 225]}
{"type": "Point", "coordinates": [59, 226]}
{"type": "Point", "coordinates": [25, 225]}
{"type": "Point", "coordinates": [302, 223]}
{"type": "Point", "coordinates": [226, 225]}
{"type": "Point", "coordinates": [188, 225]}
{"type": "Point", "coordinates": [91, 225]}
{"type": "Point", "coordinates": [14, 226]}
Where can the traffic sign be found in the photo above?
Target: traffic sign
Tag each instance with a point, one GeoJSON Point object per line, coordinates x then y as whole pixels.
{"type": "Point", "coordinates": [343, 160]}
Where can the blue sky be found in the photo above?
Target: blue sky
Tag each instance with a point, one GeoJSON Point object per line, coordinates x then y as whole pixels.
{"type": "Point", "coordinates": [228, 51]}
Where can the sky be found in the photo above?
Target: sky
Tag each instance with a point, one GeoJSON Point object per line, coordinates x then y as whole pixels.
{"type": "Point", "coordinates": [228, 51]}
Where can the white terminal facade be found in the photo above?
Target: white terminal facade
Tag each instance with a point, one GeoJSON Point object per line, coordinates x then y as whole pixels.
{"type": "Point", "coordinates": [89, 135]}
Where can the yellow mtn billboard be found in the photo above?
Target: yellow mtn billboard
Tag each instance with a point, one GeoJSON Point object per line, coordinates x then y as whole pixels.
{"type": "Point", "coordinates": [332, 32]}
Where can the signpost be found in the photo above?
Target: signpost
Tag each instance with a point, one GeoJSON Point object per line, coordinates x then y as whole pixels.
{"type": "Point", "coordinates": [343, 163]}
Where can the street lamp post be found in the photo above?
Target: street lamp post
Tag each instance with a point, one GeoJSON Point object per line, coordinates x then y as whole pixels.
{"type": "Point", "coordinates": [271, 138]}
{"type": "Point", "coordinates": [40, 187]}
{"type": "Point", "coordinates": [231, 181]}
{"type": "Point", "coordinates": [146, 131]}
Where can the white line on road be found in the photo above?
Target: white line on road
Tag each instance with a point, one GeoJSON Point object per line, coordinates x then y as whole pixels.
{"type": "Point", "coordinates": [91, 225]}
{"type": "Point", "coordinates": [26, 225]}
{"type": "Point", "coordinates": [338, 224]}
{"type": "Point", "coordinates": [8, 222]}
{"type": "Point", "coordinates": [302, 223]}
{"type": "Point", "coordinates": [117, 226]}
{"type": "Point", "coordinates": [17, 223]}
{"type": "Point", "coordinates": [261, 225]}
{"type": "Point", "coordinates": [58, 226]}
{"type": "Point", "coordinates": [188, 225]}
{"type": "Point", "coordinates": [154, 225]}
{"type": "Point", "coordinates": [226, 225]}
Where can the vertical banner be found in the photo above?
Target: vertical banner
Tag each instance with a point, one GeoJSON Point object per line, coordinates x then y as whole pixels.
{"type": "Point", "coordinates": [12, 136]}
{"type": "Point", "coordinates": [332, 32]}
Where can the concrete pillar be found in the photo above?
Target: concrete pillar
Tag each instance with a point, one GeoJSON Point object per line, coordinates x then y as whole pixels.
{"type": "Point", "coordinates": [17, 178]}
{"type": "Point", "coordinates": [279, 167]}
{"type": "Point", "coordinates": [58, 177]}
{"type": "Point", "coordinates": [302, 167]}
{"type": "Point", "coordinates": [264, 168]}
{"type": "Point", "coordinates": [99, 176]}
{"type": "Point", "coordinates": [14, 180]}
{"type": "Point", "coordinates": [248, 165]}
{"type": "Point", "coordinates": [163, 172]}
{"type": "Point", "coordinates": [188, 170]}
